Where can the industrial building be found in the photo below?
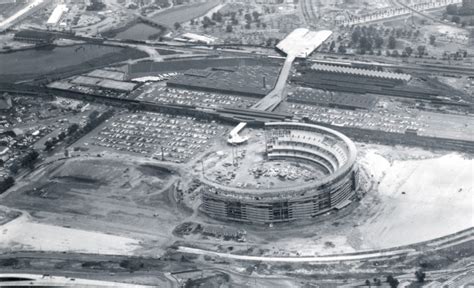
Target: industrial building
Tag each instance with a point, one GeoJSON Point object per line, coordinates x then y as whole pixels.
{"type": "Point", "coordinates": [330, 151]}
{"type": "Point", "coordinates": [302, 42]}
{"type": "Point", "coordinates": [34, 36]}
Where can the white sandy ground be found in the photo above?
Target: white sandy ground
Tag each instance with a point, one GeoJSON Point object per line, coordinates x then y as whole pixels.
{"type": "Point", "coordinates": [438, 199]}
{"type": "Point", "coordinates": [23, 234]}
{"type": "Point", "coordinates": [59, 281]}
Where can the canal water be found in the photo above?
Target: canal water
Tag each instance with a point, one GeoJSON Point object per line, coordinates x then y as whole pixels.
{"type": "Point", "coordinates": [139, 31]}
{"type": "Point", "coordinates": [39, 61]}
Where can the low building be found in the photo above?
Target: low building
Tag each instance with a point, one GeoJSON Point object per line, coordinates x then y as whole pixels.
{"type": "Point", "coordinates": [196, 38]}
{"type": "Point", "coordinates": [57, 14]}
{"type": "Point", "coordinates": [34, 36]}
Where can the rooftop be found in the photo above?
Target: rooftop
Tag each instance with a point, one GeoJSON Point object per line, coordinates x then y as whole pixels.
{"type": "Point", "coordinates": [34, 34]}
{"type": "Point", "coordinates": [361, 72]}
{"type": "Point", "coordinates": [302, 42]}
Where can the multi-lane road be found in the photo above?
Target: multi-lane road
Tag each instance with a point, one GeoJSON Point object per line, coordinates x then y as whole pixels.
{"type": "Point", "coordinates": [28, 9]}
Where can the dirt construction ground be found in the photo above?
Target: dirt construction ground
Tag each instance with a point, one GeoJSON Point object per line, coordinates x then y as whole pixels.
{"type": "Point", "coordinates": [118, 204]}
{"type": "Point", "coordinates": [412, 195]}
{"type": "Point", "coordinates": [102, 195]}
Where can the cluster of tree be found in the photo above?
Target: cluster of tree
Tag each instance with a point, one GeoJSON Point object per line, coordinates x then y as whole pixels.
{"type": "Point", "coordinates": [455, 12]}
{"type": "Point", "coordinates": [95, 5]}
{"type": "Point", "coordinates": [26, 160]}
{"type": "Point", "coordinates": [217, 17]}
{"type": "Point", "coordinates": [162, 3]}
{"type": "Point", "coordinates": [420, 276]}
{"type": "Point", "coordinates": [455, 56]}
{"type": "Point", "coordinates": [407, 52]}
{"type": "Point", "coordinates": [369, 38]}
{"type": "Point", "coordinates": [375, 282]}
{"type": "Point", "coordinates": [453, 9]}
{"type": "Point", "coordinates": [207, 22]}
{"type": "Point", "coordinates": [6, 183]}
{"type": "Point", "coordinates": [132, 264]}
{"type": "Point", "coordinates": [230, 20]}
{"type": "Point", "coordinates": [393, 282]}
{"type": "Point", "coordinates": [366, 39]}
{"type": "Point", "coordinates": [180, 2]}
{"type": "Point", "coordinates": [271, 42]}
{"type": "Point", "coordinates": [49, 144]}
{"type": "Point", "coordinates": [93, 121]}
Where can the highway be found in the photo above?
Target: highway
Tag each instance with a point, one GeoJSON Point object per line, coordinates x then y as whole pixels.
{"type": "Point", "coordinates": [299, 259]}
{"type": "Point", "coordinates": [446, 242]}
{"type": "Point", "coordinates": [5, 24]}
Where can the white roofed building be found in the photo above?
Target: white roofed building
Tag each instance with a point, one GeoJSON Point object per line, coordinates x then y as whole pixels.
{"type": "Point", "coordinates": [191, 37]}
{"type": "Point", "coordinates": [302, 42]}
{"type": "Point", "coordinates": [57, 14]}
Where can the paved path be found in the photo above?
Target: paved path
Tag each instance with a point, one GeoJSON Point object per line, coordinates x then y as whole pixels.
{"type": "Point", "coordinates": [300, 259]}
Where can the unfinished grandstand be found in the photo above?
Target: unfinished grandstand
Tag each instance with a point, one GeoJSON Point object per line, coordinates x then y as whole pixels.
{"type": "Point", "coordinates": [332, 183]}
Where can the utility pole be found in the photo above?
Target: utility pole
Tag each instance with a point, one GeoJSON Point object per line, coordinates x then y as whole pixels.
{"type": "Point", "coordinates": [202, 167]}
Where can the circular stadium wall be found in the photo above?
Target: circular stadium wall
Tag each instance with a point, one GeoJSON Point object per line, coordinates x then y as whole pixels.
{"type": "Point", "coordinates": [332, 152]}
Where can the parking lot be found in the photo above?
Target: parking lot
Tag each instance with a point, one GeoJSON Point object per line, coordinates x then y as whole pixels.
{"type": "Point", "coordinates": [255, 81]}
{"type": "Point", "coordinates": [161, 94]}
{"type": "Point", "coordinates": [163, 137]}
{"type": "Point", "coordinates": [377, 119]}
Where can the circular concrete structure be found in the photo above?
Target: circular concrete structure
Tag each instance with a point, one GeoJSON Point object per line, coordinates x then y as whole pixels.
{"type": "Point", "coordinates": [332, 153]}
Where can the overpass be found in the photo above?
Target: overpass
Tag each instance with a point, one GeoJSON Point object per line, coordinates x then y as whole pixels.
{"type": "Point", "coordinates": [298, 44]}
